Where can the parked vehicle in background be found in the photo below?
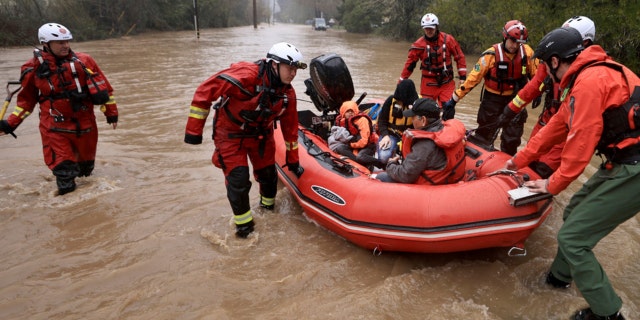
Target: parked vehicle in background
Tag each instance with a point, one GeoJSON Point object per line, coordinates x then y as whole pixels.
{"type": "Point", "coordinates": [319, 24]}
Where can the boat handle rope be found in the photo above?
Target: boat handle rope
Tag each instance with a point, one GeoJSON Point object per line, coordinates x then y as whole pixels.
{"type": "Point", "coordinates": [377, 251]}
{"type": "Point", "coordinates": [513, 252]}
{"type": "Point", "coordinates": [514, 174]}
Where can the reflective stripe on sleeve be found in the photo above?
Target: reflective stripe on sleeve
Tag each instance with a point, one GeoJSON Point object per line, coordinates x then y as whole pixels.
{"type": "Point", "coordinates": [198, 113]}
{"type": "Point", "coordinates": [20, 113]}
{"type": "Point", "coordinates": [518, 102]}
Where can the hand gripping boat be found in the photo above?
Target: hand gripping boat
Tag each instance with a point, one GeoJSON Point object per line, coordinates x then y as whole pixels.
{"type": "Point", "coordinates": [488, 209]}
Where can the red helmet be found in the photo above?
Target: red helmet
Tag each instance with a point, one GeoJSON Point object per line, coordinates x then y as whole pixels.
{"type": "Point", "coordinates": [515, 31]}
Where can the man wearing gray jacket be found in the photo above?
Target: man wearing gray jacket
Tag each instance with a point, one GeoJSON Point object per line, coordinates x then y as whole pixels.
{"type": "Point", "coordinates": [433, 151]}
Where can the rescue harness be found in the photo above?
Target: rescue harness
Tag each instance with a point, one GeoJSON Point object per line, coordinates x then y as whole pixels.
{"type": "Point", "coordinates": [432, 63]}
{"type": "Point", "coordinates": [505, 76]}
{"type": "Point", "coordinates": [620, 138]}
{"type": "Point", "coordinates": [254, 124]}
{"type": "Point", "coordinates": [96, 90]}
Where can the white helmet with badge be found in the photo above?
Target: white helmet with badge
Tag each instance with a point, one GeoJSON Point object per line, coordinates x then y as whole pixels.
{"type": "Point", "coordinates": [53, 32]}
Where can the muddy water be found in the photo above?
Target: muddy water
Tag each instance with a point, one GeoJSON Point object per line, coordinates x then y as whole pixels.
{"type": "Point", "coordinates": [150, 235]}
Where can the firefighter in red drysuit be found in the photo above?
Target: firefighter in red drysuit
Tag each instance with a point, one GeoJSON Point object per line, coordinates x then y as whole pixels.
{"type": "Point", "coordinates": [436, 51]}
{"type": "Point", "coordinates": [250, 97]}
{"type": "Point", "coordinates": [67, 85]}
{"type": "Point", "coordinates": [533, 90]}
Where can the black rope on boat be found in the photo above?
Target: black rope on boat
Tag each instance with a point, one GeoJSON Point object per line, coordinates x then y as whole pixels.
{"type": "Point", "coordinates": [336, 163]}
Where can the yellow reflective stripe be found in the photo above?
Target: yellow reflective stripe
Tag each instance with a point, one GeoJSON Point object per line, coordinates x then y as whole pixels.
{"type": "Point", "coordinates": [243, 218]}
{"type": "Point", "coordinates": [291, 145]}
{"type": "Point", "coordinates": [20, 113]}
{"type": "Point", "coordinates": [267, 201]}
{"type": "Point", "coordinates": [518, 102]}
{"type": "Point", "coordinates": [198, 113]}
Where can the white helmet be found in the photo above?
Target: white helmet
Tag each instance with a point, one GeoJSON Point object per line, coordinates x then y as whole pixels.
{"type": "Point", "coordinates": [286, 53]}
{"type": "Point", "coordinates": [584, 25]}
{"type": "Point", "coordinates": [53, 32]}
{"type": "Point", "coordinates": [429, 20]}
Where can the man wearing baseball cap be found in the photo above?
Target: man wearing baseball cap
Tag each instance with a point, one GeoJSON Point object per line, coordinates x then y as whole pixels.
{"type": "Point", "coordinates": [432, 152]}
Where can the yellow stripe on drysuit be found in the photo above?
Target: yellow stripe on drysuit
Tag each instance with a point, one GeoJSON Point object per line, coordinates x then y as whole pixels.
{"type": "Point", "coordinates": [198, 113]}
{"type": "Point", "coordinates": [243, 218]}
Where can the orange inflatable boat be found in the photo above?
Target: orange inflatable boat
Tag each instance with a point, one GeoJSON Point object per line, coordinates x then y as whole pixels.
{"type": "Point", "coordinates": [487, 209]}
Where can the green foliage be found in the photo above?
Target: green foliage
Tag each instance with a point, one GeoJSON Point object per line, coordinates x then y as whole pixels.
{"type": "Point", "coordinates": [476, 24]}
{"type": "Point", "coordinates": [99, 19]}
{"type": "Point", "coordinates": [361, 16]}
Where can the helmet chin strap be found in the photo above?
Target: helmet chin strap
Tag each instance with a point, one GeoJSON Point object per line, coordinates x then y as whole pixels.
{"type": "Point", "coordinates": [504, 46]}
{"type": "Point", "coordinates": [274, 75]}
{"type": "Point", "coordinates": [553, 71]}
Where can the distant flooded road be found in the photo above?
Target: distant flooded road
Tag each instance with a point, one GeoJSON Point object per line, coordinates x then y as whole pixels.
{"type": "Point", "coordinates": [150, 234]}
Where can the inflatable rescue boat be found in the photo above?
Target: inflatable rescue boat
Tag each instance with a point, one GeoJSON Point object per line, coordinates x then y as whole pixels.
{"type": "Point", "coordinates": [490, 208]}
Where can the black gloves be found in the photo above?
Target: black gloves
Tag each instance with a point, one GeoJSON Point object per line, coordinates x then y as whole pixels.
{"type": "Point", "coordinates": [191, 139]}
{"type": "Point", "coordinates": [506, 117]}
{"type": "Point", "coordinates": [5, 127]}
{"type": "Point", "coordinates": [295, 168]}
{"type": "Point", "coordinates": [112, 119]}
{"type": "Point", "coordinates": [449, 109]}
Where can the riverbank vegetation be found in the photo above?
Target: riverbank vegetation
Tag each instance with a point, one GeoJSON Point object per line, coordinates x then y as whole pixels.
{"type": "Point", "coordinates": [476, 24]}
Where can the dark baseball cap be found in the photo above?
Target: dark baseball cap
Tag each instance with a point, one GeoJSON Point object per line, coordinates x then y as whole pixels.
{"type": "Point", "coordinates": [424, 107]}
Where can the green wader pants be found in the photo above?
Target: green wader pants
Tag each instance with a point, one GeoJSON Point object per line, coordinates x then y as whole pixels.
{"type": "Point", "coordinates": [607, 199]}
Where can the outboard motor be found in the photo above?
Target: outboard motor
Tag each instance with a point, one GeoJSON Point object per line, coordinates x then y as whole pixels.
{"type": "Point", "coordinates": [330, 83]}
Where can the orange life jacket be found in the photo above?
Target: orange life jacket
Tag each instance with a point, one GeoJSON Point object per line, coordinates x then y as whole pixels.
{"type": "Point", "coordinates": [353, 128]}
{"type": "Point", "coordinates": [451, 140]}
{"type": "Point", "coordinates": [507, 74]}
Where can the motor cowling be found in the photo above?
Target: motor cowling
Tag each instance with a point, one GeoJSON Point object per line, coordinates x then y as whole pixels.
{"type": "Point", "coordinates": [330, 83]}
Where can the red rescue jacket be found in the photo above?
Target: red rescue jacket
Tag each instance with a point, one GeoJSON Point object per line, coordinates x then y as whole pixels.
{"type": "Point", "coordinates": [248, 106]}
{"type": "Point", "coordinates": [437, 58]}
{"type": "Point", "coordinates": [61, 87]}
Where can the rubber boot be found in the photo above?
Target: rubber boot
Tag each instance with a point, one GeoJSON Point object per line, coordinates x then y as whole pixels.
{"type": "Point", "coordinates": [66, 173]}
{"type": "Point", "coordinates": [587, 314]}
{"type": "Point", "coordinates": [243, 230]}
{"type": "Point", "coordinates": [555, 282]}
{"type": "Point", "coordinates": [65, 185]}
{"type": "Point", "coordinates": [86, 168]}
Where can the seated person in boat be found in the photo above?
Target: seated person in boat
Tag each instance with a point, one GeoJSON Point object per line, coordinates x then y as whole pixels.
{"type": "Point", "coordinates": [391, 122]}
{"type": "Point", "coordinates": [433, 151]}
{"type": "Point", "coordinates": [362, 146]}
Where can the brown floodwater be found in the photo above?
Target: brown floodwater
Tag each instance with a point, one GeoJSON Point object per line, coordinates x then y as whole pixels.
{"type": "Point", "coordinates": [150, 234]}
